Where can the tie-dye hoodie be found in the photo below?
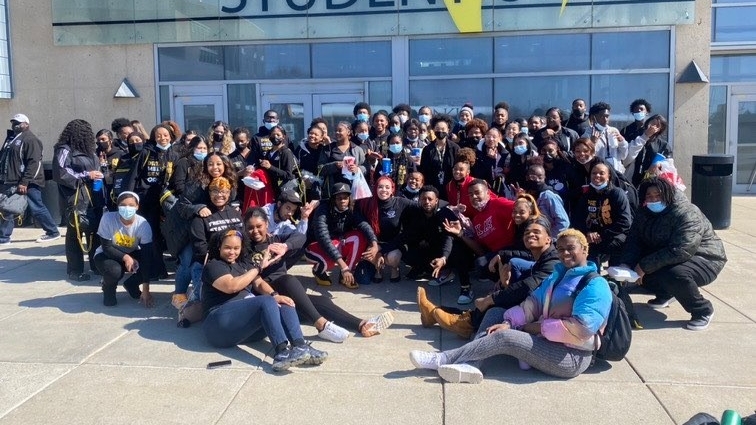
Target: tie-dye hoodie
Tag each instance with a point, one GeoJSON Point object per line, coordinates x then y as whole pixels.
{"type": "Point", "coordinates": [571, 321]}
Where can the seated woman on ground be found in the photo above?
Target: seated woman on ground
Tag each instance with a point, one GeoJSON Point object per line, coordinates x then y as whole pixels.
{"type": "Point", "coordinates": [126, 247]}
{"type": "Point", "coordinates": [235, 315]}
{"type": "Point", "coordinates": [258, 240]}
{"type": "Point", "coordinates": [558, 340]}
{"type": "Point", "coordinates": [518, 279]}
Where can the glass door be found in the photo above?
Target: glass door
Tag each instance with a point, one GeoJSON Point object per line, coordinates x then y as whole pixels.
{"type": "Point", "coordinates": [198, 112]}
{"type": "Point", "coordinates": [743, 143]}
{"type": "Point", "coordinates": [294, 112]}
{"type": "Point", "coordinates": [335, 107]}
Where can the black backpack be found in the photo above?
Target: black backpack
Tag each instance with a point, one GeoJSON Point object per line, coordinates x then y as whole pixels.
{"type": "Point", "coordinates": [617, 336]}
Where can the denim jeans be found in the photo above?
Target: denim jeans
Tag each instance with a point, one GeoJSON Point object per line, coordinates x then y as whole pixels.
{"type": "Point", "coordinates": [520, 269]}
{"type": "Point", "coordinates": [183, 270]}
{"type": "Point", "coordinates": [6, 227]}
{"type": "Point", "coordinates": [251, 319]}
{"type": "Point", "coordinates": [196, 272]}
{"type": "Point", "coordinates": [39, 211]}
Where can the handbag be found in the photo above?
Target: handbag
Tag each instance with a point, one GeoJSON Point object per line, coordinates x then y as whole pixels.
{"type": "Point", "coordinates": [13, 203]}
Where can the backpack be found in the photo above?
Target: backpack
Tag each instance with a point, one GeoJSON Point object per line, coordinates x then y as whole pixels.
{"type": "Point", "coordinates": [617, 336]}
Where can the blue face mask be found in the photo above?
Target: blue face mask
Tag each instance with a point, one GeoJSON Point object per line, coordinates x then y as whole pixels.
{"type": "Point", "coordinates": [600, 186]}
{"type": "Point", "coordinates": [363, 117]}
{"type": "Point", "coordinates": [395, 148]}
{"type": "Point", "coordinates": [126, 212]}
{"type": "Point", "coordinates": [423, 119]}
{"type": "Point", "coordinates": [656, 207]}
{"type": "Point", "coordinates": [524, 130]}
{"type": "Point", "coordinates": [520, 149]}
{"type": "Point", "coordinates": [161, 147]}
{"type": "Point", "coordinates": [639, 116]}
{"type": "Point", "coordinates": [200, 156]}
{"type": "Point", "coordinates": [395, 129]}
{"type": "Point", "coordinates": [270, 125]}
{"type": "Point", "coordinates": [363, 136]}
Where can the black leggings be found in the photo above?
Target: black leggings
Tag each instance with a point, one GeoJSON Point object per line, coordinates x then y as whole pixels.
{"type": "Point", "coordinates": [112, 270]}
{"type": "Point", "coordinates": [313, 307]}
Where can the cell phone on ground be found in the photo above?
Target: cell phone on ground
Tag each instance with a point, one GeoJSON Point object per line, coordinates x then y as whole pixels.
{"type": "Point", "coordinates": [215, 365]}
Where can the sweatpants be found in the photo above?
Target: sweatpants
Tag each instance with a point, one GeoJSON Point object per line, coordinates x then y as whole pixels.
{"type": "Point", "coordinates": [682, 282]}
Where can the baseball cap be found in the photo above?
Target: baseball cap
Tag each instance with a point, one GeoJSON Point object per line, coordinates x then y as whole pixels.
{"type": "Point", "coordinates": [341, 188]}
{"type": "Point", "coordinates": [290, 196]}
{"type": "Point", "coordinates": [20, 118]}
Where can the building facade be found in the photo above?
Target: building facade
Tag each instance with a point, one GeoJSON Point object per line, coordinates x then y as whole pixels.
{"type": "Point", "coordinates": [197, 61]}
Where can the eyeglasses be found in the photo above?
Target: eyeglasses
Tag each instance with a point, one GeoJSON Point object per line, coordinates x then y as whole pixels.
{"type": "Point", "coordinates": [220, 192]}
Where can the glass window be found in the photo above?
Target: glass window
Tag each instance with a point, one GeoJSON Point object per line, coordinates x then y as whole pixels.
{"type": "Point", "coordinates": [379, 95]}
{"type": "Point", "coordinates": [191, 63]}
{"type": "Point", "coordinates": [448, 96]}
{"type": "Point", "coordinates": [5, 65]}
{"type": "Point", "coordinates": [355, 59]}
{"type": "Point", "coordinates": [734, 24]}
{"type": "Point", "coordinates": [165, 103]}
{"type": "Point", "coordinates": [717, 119]}
{"type": "Point", "coordinates": [535, 95]}
{"type": "Point", "coordinates": [275, 61]}
{"type": "Point", "coordinates": [451, 56]}
{"type": "Point", "coordinates": [620, 90]}
{"type": "Point", "coordinates": [242, 106]}
{"type": "Point", "coordinates": [630, 50]}
{"type": "Point", "coordinates": [733, 68]}
{"type": "Point", "coordinates": [558, 52]}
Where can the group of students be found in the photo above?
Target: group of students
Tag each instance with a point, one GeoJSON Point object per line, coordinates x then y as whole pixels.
{"type": "Point", "coordinates": [448, 199]}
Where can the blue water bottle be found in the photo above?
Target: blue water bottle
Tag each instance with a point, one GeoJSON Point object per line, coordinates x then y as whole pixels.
{"type": "Point", "coordinates": [386, 166]}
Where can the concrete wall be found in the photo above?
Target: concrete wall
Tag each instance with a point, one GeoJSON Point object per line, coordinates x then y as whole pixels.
{"type": "Point", "coordinates": [693, 43]}
{"type": "Point", "coordinates": [53, 85]}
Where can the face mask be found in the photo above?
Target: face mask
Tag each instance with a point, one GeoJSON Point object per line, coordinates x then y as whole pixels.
{"type": "Point", "coordinates": [17, 128]}
{"type": "Point", "coordinates": [363, 136]}
{"type": "Point", "coordinates": [363, 117]}
{"type": "Point", "coordinates": [200, 156]}
{"type": "Point", "coordinates": [481, 205]}
{"type": "Point", "coordinates": [403, 118]}
{"type": "Point", "coordinates": [462, 123]}
{"type": "Point", "coordinates": [425, 119]}
{"type": "Point", "coordinates": [520, 149]}
{"type": "Point", "coordinates": [524, 130]}
{"type": "Point", "coordinates": [217, 138]}
{"type": "Point", "coordinates": [411, 190]}
{"type": "Point", "coordinates": [639, 116]}
{"type": "Point", "coordinates": [548, 157]}
{"type": "Point", "coordinates": [413, 140]}
{"type": "Point", "coordinates": [577, 113]}
{"type": "Point", "coordinates": [276, 141]}
{"type": "Point", "coordinates": [600, 186]}
{"type": "Point", "coordinates": [584, 161]}
{"type": "Point", "coordinates": [533, 186]}
{"type": "Point", "coordinates": [442, 135]}
{"type": "Point", "coordinates": [135, 148]}
{"type": "Point", "coordinates": [104, 146]}
{"type": "Point", "coordinates": [126, 212]}
{"type": "Point", "coordinates": [162, 148]}
{"type": "Point", "coordinates": [270, 125]}
{"type": "Point", "coordinates": [423, 136]}
{"type": "Point", "coordinates": [395, 129]}
{"type": "Point", "coordinates": [599, 127]}
{"type": "Point", "coordinates": [395, 149]}
{"type": "Point", "coordinates": [509, 140]}
{"type": "Point", "coordinates": [656, 207]}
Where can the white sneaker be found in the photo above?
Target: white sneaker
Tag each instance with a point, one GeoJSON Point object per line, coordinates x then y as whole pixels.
{"type": "Point", "coordinates": [48, 238]}
{"type": "Point", "coordinates": [425, 359]}
{"type": "Point", "coordinates": [334, 333]}
{"type": "Point", "coordinates": [457, 373]}
{"type": "Point", "coordinates": [381, 322]}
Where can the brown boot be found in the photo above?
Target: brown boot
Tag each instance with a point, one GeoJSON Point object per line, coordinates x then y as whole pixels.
{"type": "Point", "coordinates": [426, 308]}
{"type": "Point", "coordinates": [460, 324]}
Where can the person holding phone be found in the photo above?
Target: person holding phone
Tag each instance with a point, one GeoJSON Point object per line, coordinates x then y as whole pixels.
{"type": "Point", "coordinates": [240, 307]}
{"type": "Point", "coordinates": [126, 247]}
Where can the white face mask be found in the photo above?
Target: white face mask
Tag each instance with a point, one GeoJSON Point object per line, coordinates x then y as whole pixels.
{"type": "Point", "coordinates": [599, 127]}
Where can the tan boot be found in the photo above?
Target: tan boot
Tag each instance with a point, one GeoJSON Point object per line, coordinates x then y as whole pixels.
{"type": "Point", "coordinates": [426, 308]}
{"type": "Point", "coordinates": [460, 324]}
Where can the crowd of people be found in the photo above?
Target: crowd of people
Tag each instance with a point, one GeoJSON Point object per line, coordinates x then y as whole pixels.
{"type": "Point", "coordinates": [532, 204]}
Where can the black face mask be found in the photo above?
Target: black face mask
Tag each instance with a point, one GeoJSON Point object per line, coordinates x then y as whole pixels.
{"type": "Point", "coordinates": [276, 141]}
{"type": "Point", "coordinates": [442, 135]}
{"type": "Point", "coordinates": [217, 138]}
{"type": "Point", "coordinates": [135, 148]}
{"type": "Point", "coordinates": [533, 186]}
{"type": "Point", "coordinates": [548, 158]}
{"type": "Point", "coordinates": [577, 113]}
{"type": "Point", "coordinates": [104, 146]}
{"type": "Point", "coordinates": [18, 128]}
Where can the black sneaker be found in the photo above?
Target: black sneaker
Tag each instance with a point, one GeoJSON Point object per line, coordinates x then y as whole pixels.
{"type": "Point", "coordinates": [415, 273]}
{"type": "Point", "coordinates": [79, 277]}
{"type": "Point", "coordinates": [317, 357]}
{"type": "Point", "coordinates": [132, 286]}
{"type": "Point", "coordinates": [109, 296]}
{"type": "Point", "coordinates": [699, 323]}
{"type": "Point", "coordinates": [322, 279]}
{"type": "Point", "coordinates": [292, 356]}
{"type": "Point", "coordinates": [660, 302]}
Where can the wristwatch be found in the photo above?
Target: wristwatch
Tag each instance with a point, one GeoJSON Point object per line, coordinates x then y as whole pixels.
{"type": "Point", "coordinates": [273, 294]}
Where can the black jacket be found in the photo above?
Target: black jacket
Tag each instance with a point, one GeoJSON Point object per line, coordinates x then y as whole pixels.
{"type": "Point", "coordinates": [71, 168]}
{"type": "Point", "coordinates": [427, 233]}
{"type": "Point", "coordinates": [21, 158]}
{"type": "Point", "coordinates": [542, 268]}
{"type": "Point", "coordinates": [327, 224]}
{"type": "Point", "coordinates": [438, 170]}
{"type": "Point", "coordinates": [253, 253]}
{"type": "Point", "coordinates": [606, 212]}
{"type": "Point", "coordinates": [202, 228]}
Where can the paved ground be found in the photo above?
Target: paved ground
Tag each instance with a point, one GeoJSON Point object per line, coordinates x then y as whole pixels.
{"type": "Point", "coordinates": [64, 358]}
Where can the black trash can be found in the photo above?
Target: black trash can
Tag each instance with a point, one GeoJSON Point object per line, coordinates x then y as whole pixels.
{"type": "Point", "coordinates": [712, 188]}
{"type": "Point", "coordinates": [50, 195]}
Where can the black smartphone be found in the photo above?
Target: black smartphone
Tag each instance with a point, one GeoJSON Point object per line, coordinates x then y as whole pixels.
{"type": "Point", "coordinates": [215, 365]}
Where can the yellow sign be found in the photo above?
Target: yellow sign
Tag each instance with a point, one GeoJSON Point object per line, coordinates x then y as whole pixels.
{"type": "Point", "coordinates": [466, 14]}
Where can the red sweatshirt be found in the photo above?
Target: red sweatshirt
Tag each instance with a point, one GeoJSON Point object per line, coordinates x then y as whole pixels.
{"type": "Point", "coordinates": [494, 228]}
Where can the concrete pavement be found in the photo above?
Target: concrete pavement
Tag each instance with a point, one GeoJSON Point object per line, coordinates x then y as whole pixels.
{"type": "Point", "coordinates": [65, 359]}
